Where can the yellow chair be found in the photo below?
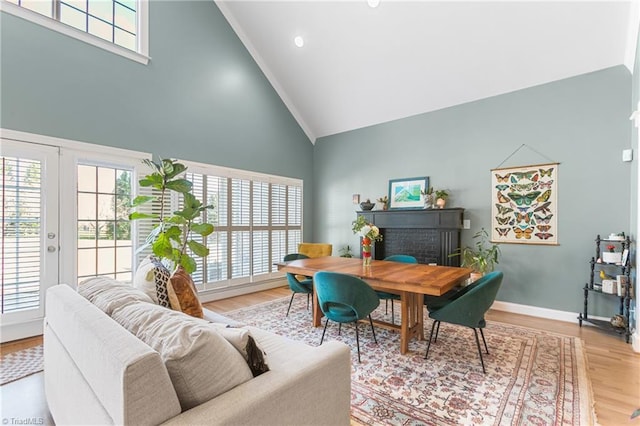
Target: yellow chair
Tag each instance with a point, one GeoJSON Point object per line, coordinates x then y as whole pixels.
{"type": "Point", "coordinates": [315, 249]}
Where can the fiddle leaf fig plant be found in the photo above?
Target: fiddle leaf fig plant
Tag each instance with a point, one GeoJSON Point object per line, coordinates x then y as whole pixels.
{"type": "Point", "coordinates": [171, 239]}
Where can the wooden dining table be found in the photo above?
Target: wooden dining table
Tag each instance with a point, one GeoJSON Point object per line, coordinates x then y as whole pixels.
{"type": "Point", "coordinates": [409, 280]}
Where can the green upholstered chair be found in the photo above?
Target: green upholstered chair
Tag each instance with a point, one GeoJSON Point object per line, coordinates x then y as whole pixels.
{"type": "Point", "coordinates": [345, 298]}
{"type": "Point", "coordinates": [467, 308]}
{"type": "Point", "coordinates": [298, 283]}
{"type": "Point", "coordinates": [383, 295]}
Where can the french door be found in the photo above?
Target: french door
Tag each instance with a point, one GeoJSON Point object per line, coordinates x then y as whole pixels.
{"type": "Point", "coordinates": [29, 220]}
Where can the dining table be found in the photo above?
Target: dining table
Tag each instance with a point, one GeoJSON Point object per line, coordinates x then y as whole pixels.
{"type": "Point", "coordinates": [411, 281]}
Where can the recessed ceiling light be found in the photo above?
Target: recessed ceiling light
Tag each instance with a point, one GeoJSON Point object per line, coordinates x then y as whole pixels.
{"type": "Point", "coordinates": [373, 3]}
{"type": "Point", "coordinates": [299, 41]}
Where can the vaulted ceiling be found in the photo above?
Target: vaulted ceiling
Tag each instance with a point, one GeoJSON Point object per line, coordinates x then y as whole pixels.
{"type": "Point", "coordinates": [363, 65]}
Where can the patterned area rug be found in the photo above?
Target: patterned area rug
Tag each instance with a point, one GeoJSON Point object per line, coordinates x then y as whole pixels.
{"type": "Point", "coordinates": [16, 365]}
{"type": "Point", "coordinates": [533, 377]}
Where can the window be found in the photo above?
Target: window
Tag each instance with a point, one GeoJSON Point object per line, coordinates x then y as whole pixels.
{"type": "Point", "coordinates": [257, 220]}
{"type": "Point", "coordinates": [104, 231]}
{"type": "Point", "coordinates": [119, 24]}
{"type": "Point", "coordinates": [21, 219]}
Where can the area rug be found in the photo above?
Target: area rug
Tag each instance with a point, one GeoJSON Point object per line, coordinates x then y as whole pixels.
{"type": "Point", "coordinates": [19, 364]}
{"type": "Point", "coordinates": [533, 377]}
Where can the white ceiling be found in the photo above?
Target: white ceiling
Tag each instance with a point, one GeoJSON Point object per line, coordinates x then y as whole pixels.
{"type": "Point", "coordinates": [362, 66]}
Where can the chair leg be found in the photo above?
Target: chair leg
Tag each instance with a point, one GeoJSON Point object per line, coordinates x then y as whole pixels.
{"type": "Point", "coordinates": [373, 331]}
{"type": "Point", "coordinates": [430, 336]}
{"type": "Point", "coordinates": [339, 328]}
{"type": "Point", "coordinates": [475, 332]}
{"type": "Point", "coordinates": [308, 294]}
{"type": "Point", "coordinates": [437, 332]}
{"type": "Point", "coordinates": [386, 306]}
{"type": "Point", "coordinates": [326, 323]}
{"type": "Point", "coordinates": [484, 341]}
{"type": "Point", "coordinates": [357, 340]}
{"type": "Point", "coordinates": [290, 302]}
{"type": "Point", "coordinates": [393, 315]}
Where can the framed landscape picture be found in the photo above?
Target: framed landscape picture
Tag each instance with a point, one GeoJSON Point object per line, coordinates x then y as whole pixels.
{"type": "Point", "coordinates": [407, 193]}
{"type": "Point", "coordinates": [524, 204]}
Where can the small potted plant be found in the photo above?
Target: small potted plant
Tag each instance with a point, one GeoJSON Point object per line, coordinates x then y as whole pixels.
{"type": "Point", "coordinates": [441, 198]}
{"type": "Point", "coordinates": [346, 251]}
{"type": "Point", "coordinates": [384, 201]}
{"type": "Point", "coordinates": [482, 257]}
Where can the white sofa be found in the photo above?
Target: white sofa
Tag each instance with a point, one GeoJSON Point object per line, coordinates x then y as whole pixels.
{"type": "Point", "coordinates": [97, 372]}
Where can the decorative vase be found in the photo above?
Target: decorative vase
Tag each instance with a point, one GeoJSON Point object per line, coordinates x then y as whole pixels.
{"type": "Point", "coordinates": [428, 201]}
{"type": "Point", "coordinates": [441, 202]}
{"type": "Point", "coordinates": [366, 251]}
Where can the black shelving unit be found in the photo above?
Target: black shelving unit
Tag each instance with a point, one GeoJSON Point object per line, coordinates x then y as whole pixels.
{"type": "Point", "coordinates": [594, 287]}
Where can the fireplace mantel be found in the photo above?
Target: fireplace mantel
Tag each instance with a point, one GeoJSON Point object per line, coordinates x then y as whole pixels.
{"type": "Point", "coordinates": [428, 235]}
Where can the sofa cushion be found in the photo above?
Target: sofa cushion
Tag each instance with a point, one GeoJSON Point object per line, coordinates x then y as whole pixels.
{"type": "Point", "coordinates": [200, 362]}
{"type": "Point", "coordinates": [108, 294]}
{"type": "Point", "coordinates": [152, 277]}
{"type": "Point", "coordinates": [243, 341]}
{"type": "Point", "coordinates": [186, 294]}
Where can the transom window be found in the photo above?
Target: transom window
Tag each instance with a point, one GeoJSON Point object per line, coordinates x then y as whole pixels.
{"type": "Point", "coordinates": [119, 26]}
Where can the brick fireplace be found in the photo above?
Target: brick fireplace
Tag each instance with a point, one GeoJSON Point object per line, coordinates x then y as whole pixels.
{"type": "Point", "coordinates": [428, 235]}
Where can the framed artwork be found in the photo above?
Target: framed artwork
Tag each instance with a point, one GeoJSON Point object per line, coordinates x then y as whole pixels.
{"type": "Point", "coordinates": [524, 204]}
{"type": "Point", "coordinates": [407, 193]}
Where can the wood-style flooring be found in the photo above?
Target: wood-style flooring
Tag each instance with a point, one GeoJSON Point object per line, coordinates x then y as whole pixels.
{"type": "Point", "coordinates": [614, 368]}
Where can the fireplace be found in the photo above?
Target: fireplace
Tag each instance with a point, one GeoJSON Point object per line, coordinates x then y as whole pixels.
{"type": "Point", "coordinates": [428, 235]}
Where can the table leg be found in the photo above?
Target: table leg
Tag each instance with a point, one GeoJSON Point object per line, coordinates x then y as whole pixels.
{"type": "Point", "coordinates": [412, 321]}
{"type": "Point", "coordinates": [317, 312]}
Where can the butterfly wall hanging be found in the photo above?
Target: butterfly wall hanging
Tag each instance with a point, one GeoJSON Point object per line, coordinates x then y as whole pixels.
{"type": "Point", "coordinates": [524, 208]}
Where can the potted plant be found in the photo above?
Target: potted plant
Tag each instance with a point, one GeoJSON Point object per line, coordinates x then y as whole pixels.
{"type": "Point", "coordinates": [482, 257]}
{"type": "Point", "coordinates": [441, 198]}
{"type": "Point", "coordinates": [171, 237]}
{"type": "Point", "coordinates": [346, 251]}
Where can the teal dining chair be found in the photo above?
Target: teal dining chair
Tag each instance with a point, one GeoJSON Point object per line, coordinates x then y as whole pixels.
{"type": "Point", "coordinates": [467, 308]}
{"type": "Point", "coordinates": [343, 299]}
{"type": "Point", "coordinates": [297, 285]}
{"type": "Point", "coordinates": [383, 295]}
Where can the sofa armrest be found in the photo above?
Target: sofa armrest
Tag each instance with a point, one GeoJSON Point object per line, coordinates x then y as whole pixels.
{"type": "Point", "coordinates": [305, 386]}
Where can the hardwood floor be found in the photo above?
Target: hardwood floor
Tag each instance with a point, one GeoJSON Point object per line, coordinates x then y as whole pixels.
{"type": "Point", "coordinates": [613, 367]}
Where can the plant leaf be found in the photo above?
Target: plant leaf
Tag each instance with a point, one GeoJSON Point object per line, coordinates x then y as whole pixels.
{"type": "Point", "coordinates": [180, 185]}
{"type": "Point", "coordinates": [203, 229]}
{"type": "Point", "coordinates": [199, 249]}
{"type": "Point", "coordinates": [188, 263]}
{"type": "Point", "coordinates": [177, 169]}
{"type": "Point", "coordinates": [154, 180]}
{"type": "Point", "coordinates": [138, 215]}
{"type": "Point", "coordinates": [141, 199]}
{"type": "Point", "coordinates": [162, 247]}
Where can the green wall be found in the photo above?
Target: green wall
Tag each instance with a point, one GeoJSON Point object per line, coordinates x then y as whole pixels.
{"type": "Point", "coordinates": [201, 97]}
{"type": "Point", "coordinates": [581, 122]}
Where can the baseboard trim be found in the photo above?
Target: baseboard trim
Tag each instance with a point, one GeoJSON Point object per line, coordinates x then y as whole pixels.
{"type": "Point", "coordinates": [210, 296]}
{"type": "Point", "coordinates": [536, 311]}
{"type": "Point", "coordinates": [10, 332]}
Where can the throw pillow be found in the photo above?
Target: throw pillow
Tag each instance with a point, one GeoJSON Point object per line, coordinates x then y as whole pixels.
{"type": "Point", "coordinates": [200, 362]}
{"type": "Point", "coordinates": [152, 277]}
{"type": "Point", "coordinates": [243, 341]}
{"type": "Point", "coordinates": [108, 294]}
{"type": "Point", "coordinates": [186, 294]}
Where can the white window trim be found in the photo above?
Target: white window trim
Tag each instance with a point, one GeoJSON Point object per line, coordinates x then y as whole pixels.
{"type": "Point", "coordinates": [142, 56]}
